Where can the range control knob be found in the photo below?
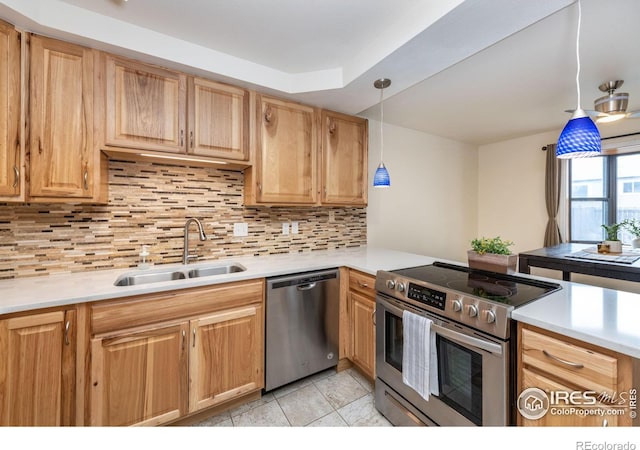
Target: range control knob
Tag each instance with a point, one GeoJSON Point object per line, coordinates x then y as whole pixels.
{"type": "Point", "coordinates": [391, 284]}
{"type": "Point", "coordinates": [400, 286]}
{"type": "Point", "coordinates": [472, 310]}
{"type": "Point", "coordinates": [456, 305]}
{"type": "Point", "coordinates": [488, 315]}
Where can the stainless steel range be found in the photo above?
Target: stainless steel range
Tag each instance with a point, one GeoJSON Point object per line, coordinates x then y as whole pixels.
{"type": "Point", "coordinates": [469, 312]}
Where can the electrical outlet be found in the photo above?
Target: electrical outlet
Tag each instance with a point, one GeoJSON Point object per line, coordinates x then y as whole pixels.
{"type": "Point", "coordinates": [241, 229]}
{"type": "Point", "coordinates": [294, 227]}
{"type": "Point", "coordinates": [285, 228]}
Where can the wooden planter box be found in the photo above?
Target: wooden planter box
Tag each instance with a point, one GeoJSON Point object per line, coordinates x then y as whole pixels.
{"type": "Point", "coordinates": [492, 262]}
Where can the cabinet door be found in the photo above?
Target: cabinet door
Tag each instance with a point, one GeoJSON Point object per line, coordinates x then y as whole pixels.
{"type": "Point", "coordinates": [532, 379]}
{"type": "Point", "coordinates": [10, 136]}
{"type": "Point", "coordinates": [61, 115]}
{"type": "Point", "coordinates": [344, 159]}
{"type": "Point", "coordinates": [226, 356]}
{"type": "Point", "coordinates": [363, 333]}
{"type": "Point", "coordinates": [37, 370]}
{"type": "Point", "coordinates": [145, 106]}
{"type": "Point", "coordinates": [218, 120]}
{"type": "Point", "coordinates": [139, 377]}
{"type": "Point", "coordinates": [287, 152]}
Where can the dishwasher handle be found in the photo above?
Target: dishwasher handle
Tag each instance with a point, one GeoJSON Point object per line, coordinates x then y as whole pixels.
{"type": "Point", "coordinates": [306, 287]}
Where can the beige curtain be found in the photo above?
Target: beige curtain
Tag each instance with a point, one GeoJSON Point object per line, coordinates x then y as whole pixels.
{"type": "Point", "coordinates": [553, 180]}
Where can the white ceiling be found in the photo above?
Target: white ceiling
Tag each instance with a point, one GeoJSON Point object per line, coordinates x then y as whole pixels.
{"type": "Point", "coordinates": [477, 71]}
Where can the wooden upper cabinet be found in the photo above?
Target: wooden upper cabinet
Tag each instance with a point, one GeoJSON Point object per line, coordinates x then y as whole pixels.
{"type": "Point", "coordinates": [218, 120]}
{"type": "Point", "coordinates": [286, 154]}
{"type": "Point", "coordinates": [63, 160]}
{"type": "Point", "coordinates": [344, 159]}
{"type": "Point", "coordinates": [145, 106]}
{"type": "Point", "coordinates": [11, 150]}
{"type": "Point", "coordinates": [37, 369]}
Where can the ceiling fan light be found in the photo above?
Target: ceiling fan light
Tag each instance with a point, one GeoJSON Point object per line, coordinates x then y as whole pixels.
{"type": "Point", "coordinates": [580, 138]}
{"type": "Point", "coordinates": [611, 117]}
{"type": "Point", "coordinates": [381, 177]}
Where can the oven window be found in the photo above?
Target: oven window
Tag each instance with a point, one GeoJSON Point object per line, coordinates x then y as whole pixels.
{"type": "Point", "coordinates": [393, 340]}
{"type": "Point", "coordinates": [460, 379]}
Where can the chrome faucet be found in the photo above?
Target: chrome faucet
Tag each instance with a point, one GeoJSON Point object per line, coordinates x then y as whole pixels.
{"type": "Point", "coordinates": [185, 255]}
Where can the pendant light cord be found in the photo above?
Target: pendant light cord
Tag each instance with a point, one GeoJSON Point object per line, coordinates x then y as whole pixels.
{"type": "Point", "coordinates": [578, 53]}
{"type": "Point", "coordinates": [381, 125]}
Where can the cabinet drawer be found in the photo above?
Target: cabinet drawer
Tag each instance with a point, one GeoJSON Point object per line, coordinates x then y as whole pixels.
{"type": "Point", "coordinates": [532, 379]}
{"type": "Point", "coordinates": [141, 310]}
{"type": "Point", "coordinates": [576, 365]}
{"type": "Point", "coordinates": [362, 282]}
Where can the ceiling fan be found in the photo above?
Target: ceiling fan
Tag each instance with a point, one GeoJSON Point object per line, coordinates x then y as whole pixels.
{"type": "Point", "coordinates": [612, 106]}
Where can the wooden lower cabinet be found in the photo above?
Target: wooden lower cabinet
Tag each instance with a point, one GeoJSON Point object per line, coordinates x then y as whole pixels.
{"type": "Point", "coordinates": [226, 356]}
{"type": "Point", "coordinates": [37, 369]}
{"type": "Point", "coordinates": [579, 379]}
{"type": "Point", "coordinates": [182, 352]}
{"type": "Point", "coordinates": [361, 310]}
{"type": "Point", "coordinates": [140, 377]}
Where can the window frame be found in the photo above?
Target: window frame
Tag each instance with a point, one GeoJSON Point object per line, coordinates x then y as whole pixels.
{"type": "Point", "coordinates": [610, 198]}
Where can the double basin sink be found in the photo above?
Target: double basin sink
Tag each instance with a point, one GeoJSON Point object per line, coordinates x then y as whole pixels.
{"type": "Point", "coordinates": [156, 276]}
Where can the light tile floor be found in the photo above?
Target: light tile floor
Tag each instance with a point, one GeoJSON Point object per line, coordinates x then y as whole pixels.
{"type": "Point", "coordinates": [327, 399]}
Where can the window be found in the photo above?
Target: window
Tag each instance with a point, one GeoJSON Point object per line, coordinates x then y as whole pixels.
{"type": "Point", "coordinates": [603, 190]}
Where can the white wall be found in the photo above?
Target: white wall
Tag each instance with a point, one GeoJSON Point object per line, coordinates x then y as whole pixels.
{"type": "Point", "coordinates": [511, 190]}
{"type": "Point", "coordinates": [431, 206]}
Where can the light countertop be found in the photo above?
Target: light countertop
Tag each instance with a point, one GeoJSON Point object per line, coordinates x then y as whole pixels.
{"type": "Point", "coordinates": [24, 294]}
{"type": "Point", "coordinates": [603, 317]}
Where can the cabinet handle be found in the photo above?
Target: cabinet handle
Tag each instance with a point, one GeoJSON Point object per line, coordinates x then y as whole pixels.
{"type": "Point", "coordinates": [268, 114]}
{"type": "Point", "coordinates": [181, 138]}
{"type": "Point", "coordinates": [66, 332]}
{"type": "Point", "coordinates": [16, 172]}
{"type": "Point", "coordinates": [191, 139]}
{"type": "Point", "coordinates": [194, 338]}
{"type": "Point", "coordinates": [260, 187]}
{"type": "Point", "coordinates": [363, 285]}
{"type": "Point", "coordinates": [563, 361]}
{"type": "Point", "coordinates": [373, 317]}
{"type": "Point", "coordinates": [605, 423]}
{"type": "Point", "coordinates": [39, 146]}
{"type": "Point", "coordinates": [86, 180]}
{"type": "Point", "coordinates": [184, 338]}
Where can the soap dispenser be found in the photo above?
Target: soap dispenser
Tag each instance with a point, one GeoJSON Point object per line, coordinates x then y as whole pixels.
{"type": "Point", "coordinates": [144, 264]}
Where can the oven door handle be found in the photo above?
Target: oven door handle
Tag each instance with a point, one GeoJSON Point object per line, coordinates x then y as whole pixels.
{"type": "Point", "coordinates": [453, 335]}
{"type": "Point", "coordinates": [468, 340]}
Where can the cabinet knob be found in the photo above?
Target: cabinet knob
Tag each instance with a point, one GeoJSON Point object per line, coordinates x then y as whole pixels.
{"type": "Point", "coordinates": [268, 114]}
{"type": "Point", "coordinates": [332, 127]}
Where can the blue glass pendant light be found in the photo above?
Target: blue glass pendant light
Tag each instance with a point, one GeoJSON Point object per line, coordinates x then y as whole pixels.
{"type": "Point", "coordinates": [580, 137]}
{"type": "Point", "coordinates": [381, 177]}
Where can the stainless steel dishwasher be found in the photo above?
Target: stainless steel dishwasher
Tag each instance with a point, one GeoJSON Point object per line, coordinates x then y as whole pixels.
{"type": "Point", "coordinates": [301, 325]}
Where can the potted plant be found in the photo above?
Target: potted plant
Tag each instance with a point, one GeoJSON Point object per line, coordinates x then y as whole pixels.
{"type": "Point", "coordinates": [633, 227]}
{"type": "Point", "coordinates": [492, 254]}
{"type": "Point", "coordinates": [615, 244]}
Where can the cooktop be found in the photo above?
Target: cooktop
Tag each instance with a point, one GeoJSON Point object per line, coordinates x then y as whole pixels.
{"type": "Point", "coordinates": [502, 288]}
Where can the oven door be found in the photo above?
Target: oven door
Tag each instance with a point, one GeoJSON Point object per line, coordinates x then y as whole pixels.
{"type": "Point", "coordinates": [472, 369]}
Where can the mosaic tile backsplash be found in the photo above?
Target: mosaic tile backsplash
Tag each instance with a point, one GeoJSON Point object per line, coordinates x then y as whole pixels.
{"type": "Point", "coordinates": [148, 205]}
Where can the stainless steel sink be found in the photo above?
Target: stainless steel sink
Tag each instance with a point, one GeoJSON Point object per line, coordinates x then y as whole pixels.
{"type": "Point", "coordinates": [207, 271]}
{"type": "Point", "coordinates": [130, 279]}
{"type": "Point", "coordinates": [134, 278]}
